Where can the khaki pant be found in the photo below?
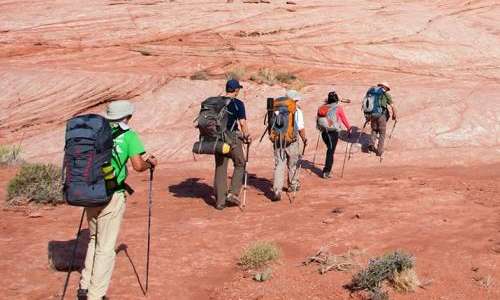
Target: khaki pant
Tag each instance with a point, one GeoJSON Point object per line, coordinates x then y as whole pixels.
{"type": "Point", "coordinates": [220, 180]}
{"type": "Point", "coordinates": [378, 125]}
{"type": "Point", "coordinates": [104, 226]}
{"type": "Point", "coordinates": [288, 156]}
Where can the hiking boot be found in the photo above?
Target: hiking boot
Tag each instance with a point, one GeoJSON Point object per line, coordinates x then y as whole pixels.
{"type": "Point", "coordinates": [82, 294]}
{"type": "Point", "coordinates": [233, 199]}
{"type": "Point", "coordinates": [276, 197]}
{"type": "Point", "coordinates": [220, 206]}
{"type": "Point", "coordinates": [326, 175]}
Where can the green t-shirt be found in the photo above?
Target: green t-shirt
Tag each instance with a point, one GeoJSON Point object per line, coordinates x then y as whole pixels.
{"type": "Point", "coordinates": [126, 145]}
{"type": "Point", "coordinates": [385, 100]}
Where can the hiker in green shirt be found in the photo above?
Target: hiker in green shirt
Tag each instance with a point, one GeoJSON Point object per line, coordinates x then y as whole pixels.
{"type": "Point", "coordinates": [104, 222]}
{"type": "Point", "coordinates": [379, 123]}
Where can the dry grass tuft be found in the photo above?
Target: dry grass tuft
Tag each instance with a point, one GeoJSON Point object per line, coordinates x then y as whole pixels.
{"type": "Point", "coordinates": [237, 73]}
{"type": "Point", "coordinates": [9, 154]}
{"type": "Point", "coordinates": [405, 281]}
{"type": "Point", "coordinates": [199, 75]}
{"type": "Point", "coordinates": [259, 255]}
{"type": "Point", "coordinates": [264, 76]}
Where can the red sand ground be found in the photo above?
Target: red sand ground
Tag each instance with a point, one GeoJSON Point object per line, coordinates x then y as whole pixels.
{"type": "Point", "coordinates": [446, 217]}
{"type": "Point", "coordinates": [435, 195]}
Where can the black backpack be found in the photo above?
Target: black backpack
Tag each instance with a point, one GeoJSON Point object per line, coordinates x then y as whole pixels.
{"type": "Point", "coordinates": [88, 149]}
{"type": "Point", "coordinates": [213, 118]}
{"type": "Point", "coordinates": [212, 124]}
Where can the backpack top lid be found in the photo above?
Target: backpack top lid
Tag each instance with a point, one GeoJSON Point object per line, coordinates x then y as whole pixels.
{"type": "Point", "coordinates": [89, 129]}
{"type": "Point", "coordinates": [375, 90]}
{"type": "Point", "coordinates": [285, 102]}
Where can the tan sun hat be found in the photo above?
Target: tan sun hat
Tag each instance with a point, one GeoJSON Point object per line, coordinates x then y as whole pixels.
{"type": "Point", "coordinates": [119, 109]}
{"type": "Point", "coordinates": [385, 84]}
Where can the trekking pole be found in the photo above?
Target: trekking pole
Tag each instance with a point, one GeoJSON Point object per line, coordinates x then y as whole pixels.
{"type": "Point", "coordinates": [316, 150]}
{"type": "Point", "coordinates": [73, 256]}
{"type": "Point", "coordinates": [357, 140]}
{"type": "Point", "coordinates": [392, 131]}
{"type": "Point", "coordinates": [150, 204]}
{"type": "Point", "coordinates": [245, 187]}
{"type": "Point", "coordinates": [298, 170]}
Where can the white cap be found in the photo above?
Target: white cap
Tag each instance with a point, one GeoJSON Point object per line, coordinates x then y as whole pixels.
{"type": "Point", "coordinates": [294, 95]}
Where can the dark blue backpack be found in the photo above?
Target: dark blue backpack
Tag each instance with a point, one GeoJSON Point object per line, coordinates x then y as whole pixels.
{"type": "Point", "coordinates": [88, 148]}
{"type": "Point", "coordinates": [372, 103]}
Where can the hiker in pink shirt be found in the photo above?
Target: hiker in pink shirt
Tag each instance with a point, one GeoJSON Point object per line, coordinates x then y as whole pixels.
{"type": "Point", "coordinates": [330, 116]}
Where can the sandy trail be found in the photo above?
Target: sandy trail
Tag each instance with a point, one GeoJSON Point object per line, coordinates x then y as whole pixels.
{"type": "Point", "coordinates": [446, 217]}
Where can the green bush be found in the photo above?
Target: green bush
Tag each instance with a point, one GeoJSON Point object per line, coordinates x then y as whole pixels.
{"type": "Point", "coordinates": [259, 255]}
{"type": "Point", "coordinates": [385, 268]}
{"type": "Point", "coordinates": [40, 183]}
{"type": "Point", "coordinates": [9, 154]}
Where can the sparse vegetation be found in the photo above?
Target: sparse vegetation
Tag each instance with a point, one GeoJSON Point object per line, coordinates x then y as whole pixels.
{"type": "Point", "coordinates": [259, 255]}
{"type": "Point", "coordinates": [395, 268]}
{"type": "Point", "coordinates": [237, 73]}
{"type": "Point", "coordinates": [264, 75]}
{"type": "Point", "coordinates": [270, 77]}
{"type": "Point", "coordinates": [328, 261]}
{"type": "Point", "coordinates": [9, 154]}
{"type": "Point", "coordinates": [39, 183]}
{"type": "Point", "coordinates": [199, 75]}
{"type": "Point", "coordinates": [286, 77]}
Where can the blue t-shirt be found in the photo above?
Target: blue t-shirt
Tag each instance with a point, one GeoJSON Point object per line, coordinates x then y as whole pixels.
{"type": "Point", "coordinates": [237, 112]}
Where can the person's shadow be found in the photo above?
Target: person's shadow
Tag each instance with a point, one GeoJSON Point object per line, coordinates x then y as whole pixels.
{"type": "Point", "coordinates": [60, 253]}
{"type": "Point", "coordinates": [308, 165]}
{"type": "Point", "coordinates": [264, 185]}
{"type": "Point", "coordinates": [193, 188]}
{"type": "Point", "coordinates": [356, 137]}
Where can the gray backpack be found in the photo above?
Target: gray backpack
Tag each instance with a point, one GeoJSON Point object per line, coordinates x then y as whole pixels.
{"type": "Point", "coordinates": [88, 148]}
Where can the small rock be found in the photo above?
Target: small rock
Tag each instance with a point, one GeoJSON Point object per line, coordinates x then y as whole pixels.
{"type": "Point", "coordinates": [337, 210]}
{"type": "Point", "coordinates": [474, 269]}
{"type": "Point", "coordinates": [291, 2]}
{"type": "Point", "coordinates": [357, 216]}
{"type": "Point", "coordinates": [34, 214]}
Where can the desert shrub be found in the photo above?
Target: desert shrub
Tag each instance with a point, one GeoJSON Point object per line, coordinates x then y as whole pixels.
{"type": "Point", "coordinates": [259, 255]}
{"type": "Point", "coordinates": [9, 154]}
{"type": "Point", "coordinates": [264, 75]}
{"type": "Point", "coordinates": [286, 77]}
{"type": "Point", "coordinates": [237, 73]}
{"type": "Point", "coordinates": [391, 268]}
{"type": "Point", "coordinates": [199, 75]}
{"type": "Point", "coordinates": [40, 183]}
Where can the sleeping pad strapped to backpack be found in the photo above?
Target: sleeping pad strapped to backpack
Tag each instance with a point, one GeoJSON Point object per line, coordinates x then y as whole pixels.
{"type": "Point", "coordinates": [212, 124]}
{"type": "Point", "coordinates": [281, 126]}
{"type": "Point", "coordinates": [87, 152]}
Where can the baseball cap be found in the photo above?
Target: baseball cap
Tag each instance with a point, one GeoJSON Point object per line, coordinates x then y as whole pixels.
{"type": "Point", "coordinates": [232, 85]}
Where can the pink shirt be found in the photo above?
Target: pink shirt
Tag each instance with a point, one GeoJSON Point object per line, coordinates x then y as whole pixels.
{"type": "Point", "coordinates": [342, 117]}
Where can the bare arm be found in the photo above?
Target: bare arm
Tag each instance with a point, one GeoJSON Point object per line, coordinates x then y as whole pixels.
{"type": "Point", "coordinates": [244, 129]}
{"type": "Point", "coordinates": [302, 134]}
{"type": "Point", "coordinates": [394, 112]}
{"type": "Point", "coordinates": [141, 165]}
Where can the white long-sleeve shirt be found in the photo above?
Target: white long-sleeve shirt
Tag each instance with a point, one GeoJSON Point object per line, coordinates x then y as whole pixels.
{"type": "Point", "coordinates": [299, 120]}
